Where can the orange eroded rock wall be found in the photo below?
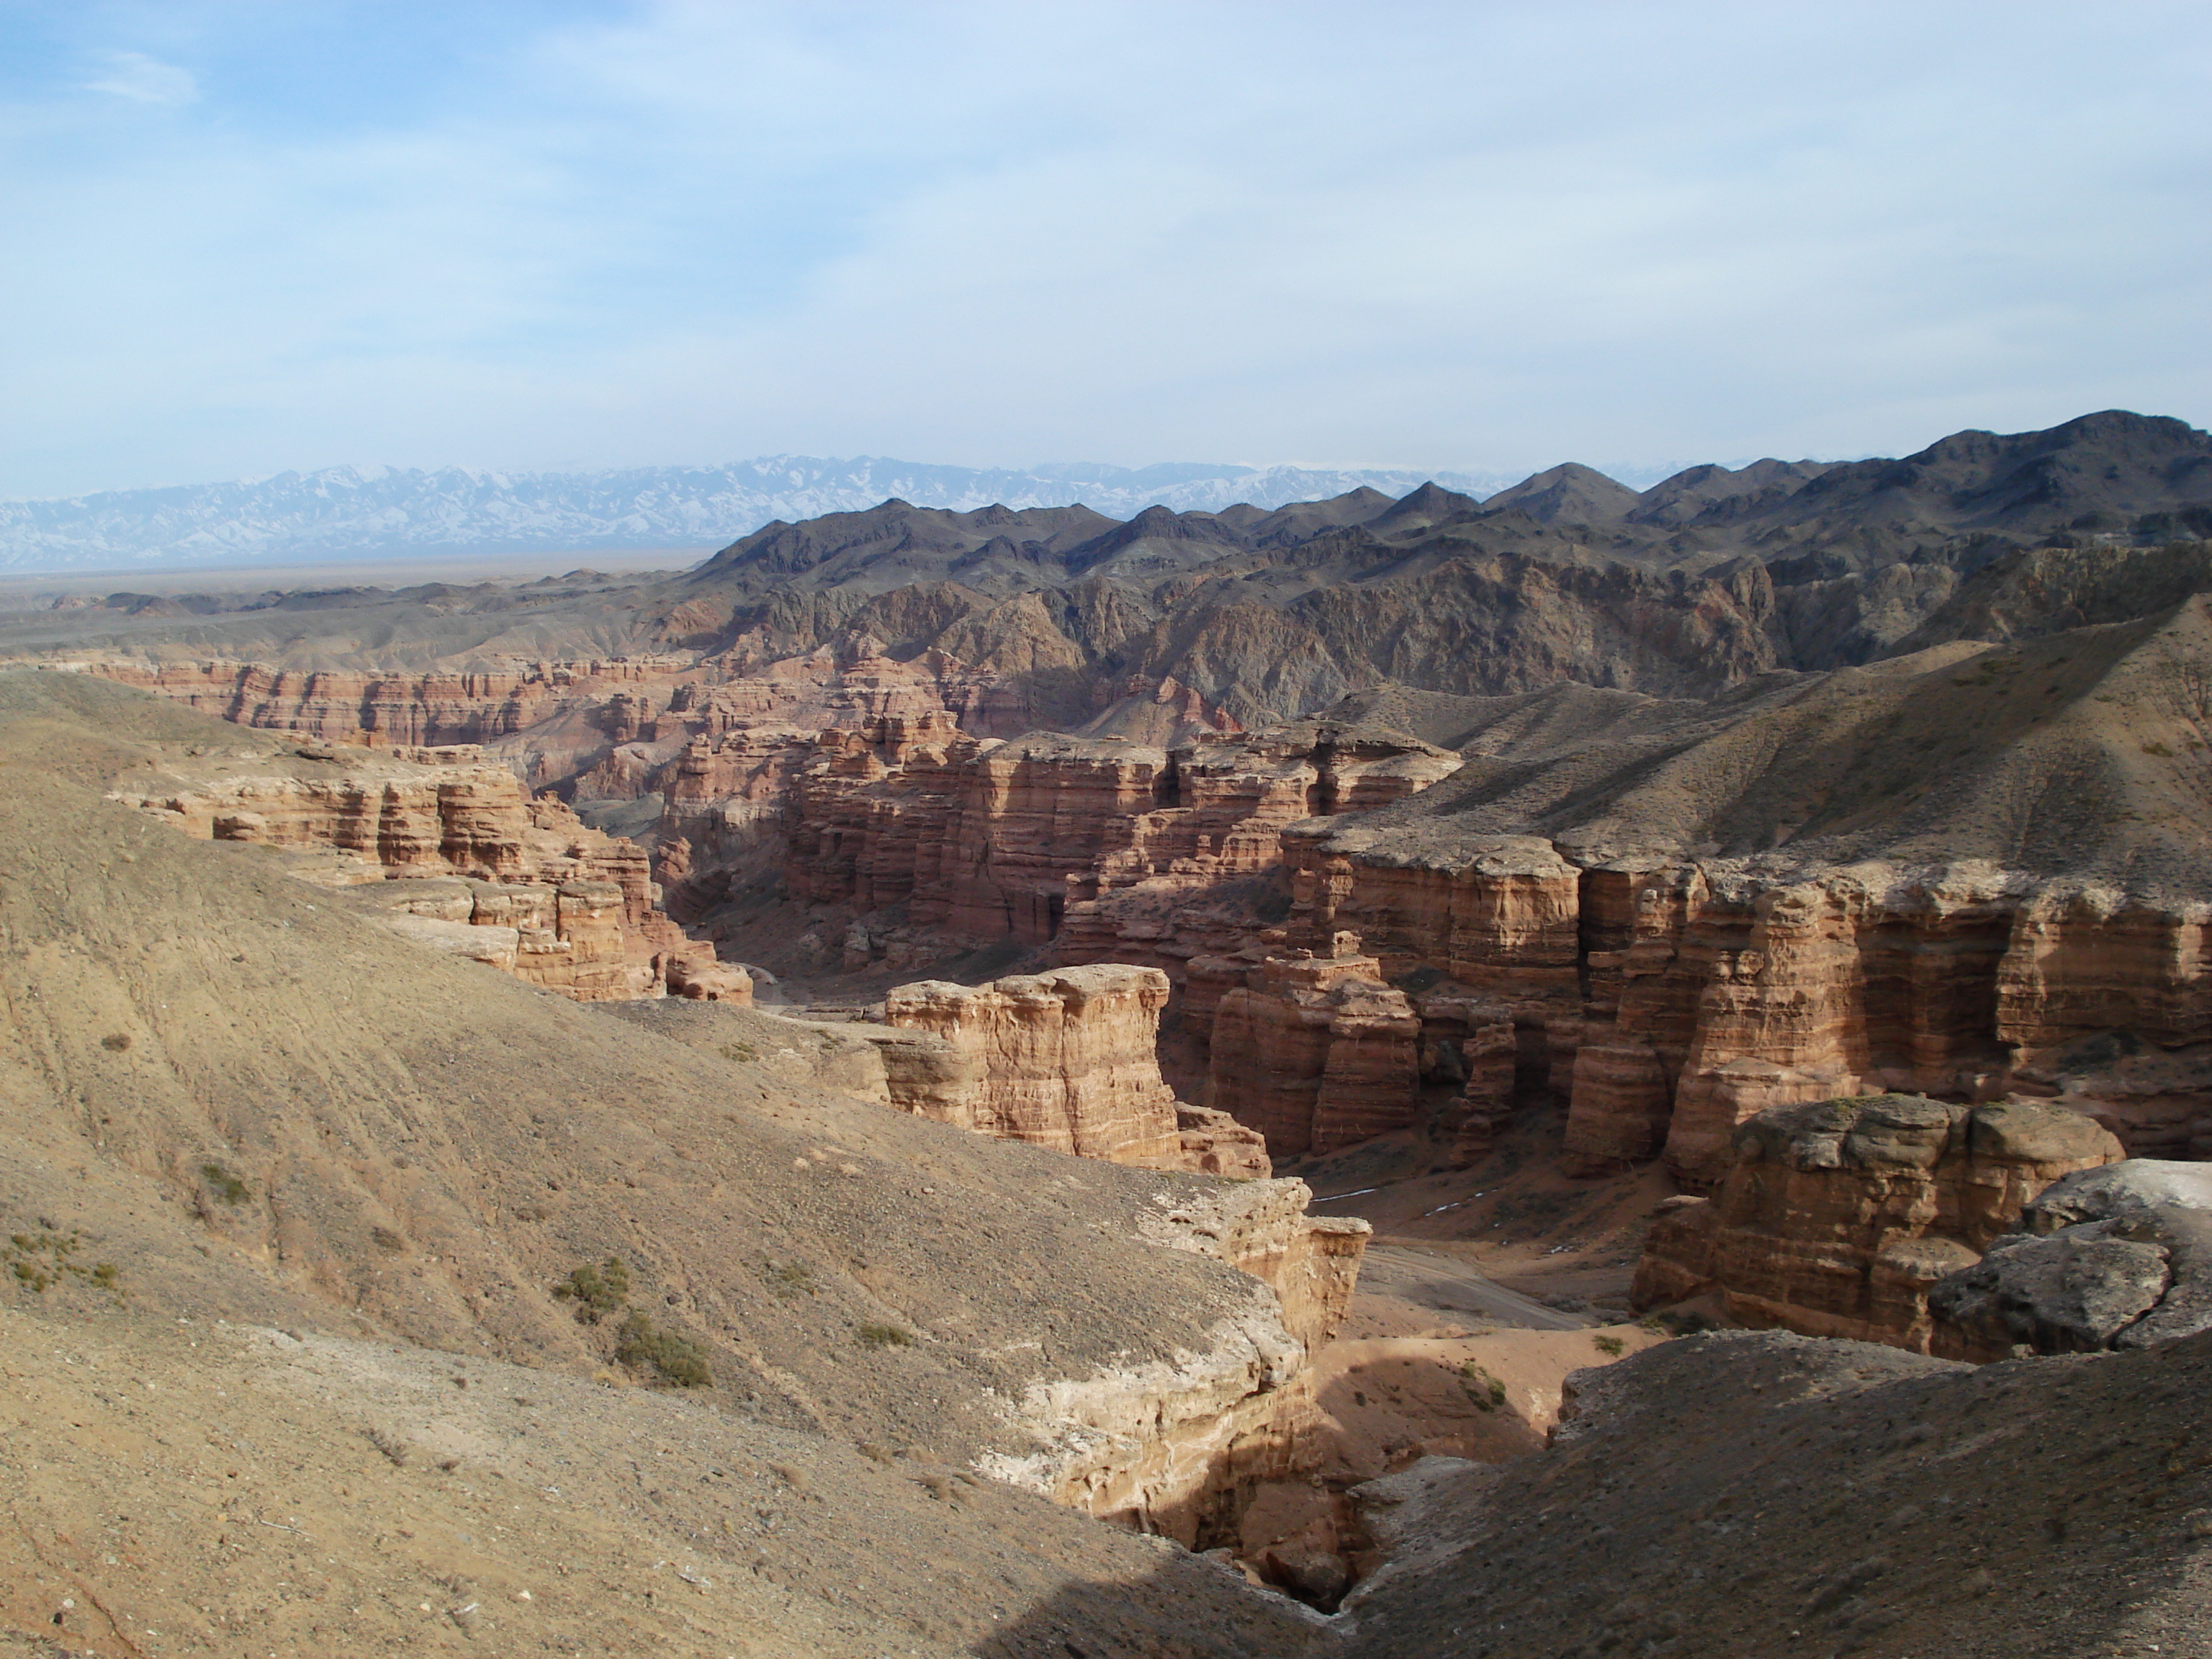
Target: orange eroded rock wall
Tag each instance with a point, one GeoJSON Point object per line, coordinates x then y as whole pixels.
{"type": "Point", "coordinates": [576, 910]}
{"type": "Point", "coordinates": [1067, 1060]}
{"type": "Point", "coordinates": [1835, 1218]}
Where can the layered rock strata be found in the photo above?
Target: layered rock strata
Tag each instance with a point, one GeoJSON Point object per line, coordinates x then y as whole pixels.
{"type": "Point", "coordinates": [1316, 1052]}
{"type": "Point", "coordinates": [985, 840]}
{"type": "Point", "coordinates": [1837, 1217]}
{"type": "Point", "coordinates": [643, 698]}
{"type": "Point", "coordinates": [481, 868]}
{"type": "Point", "coordinates": [1145, 1445]}
{"type": "Point", "coordinates": [1669, 1001]}
{"type": "Point", "coordinates": [1664, 998]}
{"type": "Point", "coordinates": [1067, 1060]}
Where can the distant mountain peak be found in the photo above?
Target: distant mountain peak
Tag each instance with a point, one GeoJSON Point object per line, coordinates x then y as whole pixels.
{"type": "Point", "coordinates": [352, 513]}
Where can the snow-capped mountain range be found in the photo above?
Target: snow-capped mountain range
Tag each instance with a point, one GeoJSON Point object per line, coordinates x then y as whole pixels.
{"type": "Point", "coordinates": [349, 513]}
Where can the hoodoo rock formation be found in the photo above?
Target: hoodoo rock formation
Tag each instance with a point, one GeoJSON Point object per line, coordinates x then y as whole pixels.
{"type": "Point", "coordinates": [1067, 1060]}
{"type": "Point", "coordinates": [478, 866]}
{"type": "Point", "coordinates": [1836, 1217]}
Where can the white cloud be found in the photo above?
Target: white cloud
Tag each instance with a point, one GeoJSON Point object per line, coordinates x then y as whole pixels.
{"type": "Point", "coordinates": [1485, 236]}
{"type": "Point", "coordinates": [146, 80]}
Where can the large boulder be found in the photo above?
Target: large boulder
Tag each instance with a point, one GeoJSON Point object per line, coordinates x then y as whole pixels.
{"type": "Point", "coordinates": [2115, 1257]}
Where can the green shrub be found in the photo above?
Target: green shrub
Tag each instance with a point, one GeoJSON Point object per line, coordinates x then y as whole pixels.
{"type": "Point", "coordinates": [882, 1336]}
{"type": "Point", "coordinates": [1487, 1393]}
{"type": "Point", "coordinates": [679, 1359]}
{"type": "Point", "coordinates": [597, 1292]}
{"type": "Point", "coordinates": [40, 1261]}
{"type": "Point", "coordinates": [1610, 1344]}
{"type": "Point", "coordinates": [226, 1185]}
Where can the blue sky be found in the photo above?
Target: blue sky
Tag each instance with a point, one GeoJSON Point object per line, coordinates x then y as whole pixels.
{"type": "Point", "coordinates": [256, 235]}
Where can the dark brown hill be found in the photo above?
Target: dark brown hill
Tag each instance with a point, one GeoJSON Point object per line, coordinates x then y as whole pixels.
{"type": "Point", "coordinates": [1727, 1495]}
{"type": "Point", "coordinates": [2043, 590]}
{"type": "Point", "coordinates": [2086, 753]}
{"type": "Point", "coordinates": [1723, 492]}
{"type": "Point", "coordinates": [894, 543]}
{"type": "Point", "coordinates": [1699, 584]}
{"type": "Point", "coordinates": [2102, 472]}
{"type": "Point", "coordinates": [1572, 494]}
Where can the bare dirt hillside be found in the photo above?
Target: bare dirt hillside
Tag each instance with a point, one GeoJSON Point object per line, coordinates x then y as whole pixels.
{"type": "Point", "coordinates": [2086, 753]}
{"type": "Point", "coordinates": [226, 1098]}
{"type": "Point", "coordinates": [1745, 1495]}
{"type": "Point", "coordinates": [191, 1486]}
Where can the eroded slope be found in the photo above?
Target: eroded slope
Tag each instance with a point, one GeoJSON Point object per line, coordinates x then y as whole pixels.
{"type": "Point", "coordinates": [1764, 1494]}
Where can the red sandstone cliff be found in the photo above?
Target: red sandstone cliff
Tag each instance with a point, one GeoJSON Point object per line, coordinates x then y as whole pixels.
{"type": "Point", "coordinates": [1674, 999]}
{"type": "Point", "coordinates": [538, 894]}
{"type": "Point", "coordinates": [1835, 1219]}
{"type": "Point", "coordinates": [1067, 1060]}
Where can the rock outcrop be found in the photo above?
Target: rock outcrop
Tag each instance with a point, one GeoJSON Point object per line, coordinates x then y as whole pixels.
{"type": "Point", "coordinates": [1837, 1217]}
{"type": "Point", "coordinates": [1669, 1001]}
{"type": "Point", "coordinates": [1261, 1227]}
{"type": "Point", "coordinates": [2115, 1257]}
{"type": "Point", "coordinates": [475, 865]}
{"type": "Point", "coordinates": [1316, 1052]}
{"type": "Point", "coordinates": [1146, 1443]}
{"type": "Point", "coordinates": [1067, 1060]}
{"type": "Point", "coordinates": [983, 841]}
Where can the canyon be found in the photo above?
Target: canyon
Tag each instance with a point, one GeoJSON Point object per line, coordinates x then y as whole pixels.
{"type": "Point", "coordinates": [1015, 1020]}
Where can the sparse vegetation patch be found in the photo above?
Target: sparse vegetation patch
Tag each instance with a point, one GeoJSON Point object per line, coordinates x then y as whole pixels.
{"type": "Point", "coordinates": [40, 1261]}
{"type": "Point", "coordinates": [596, 1290]}
{"type": "Point", "coordinates": [882, 1336]}
{"type": "Point", "coordinates": [678, 1360]}
{"type": "Point", "coordinates": [1485, 1391]}
{"type": "Point", "coordinates": [225, 1185]}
